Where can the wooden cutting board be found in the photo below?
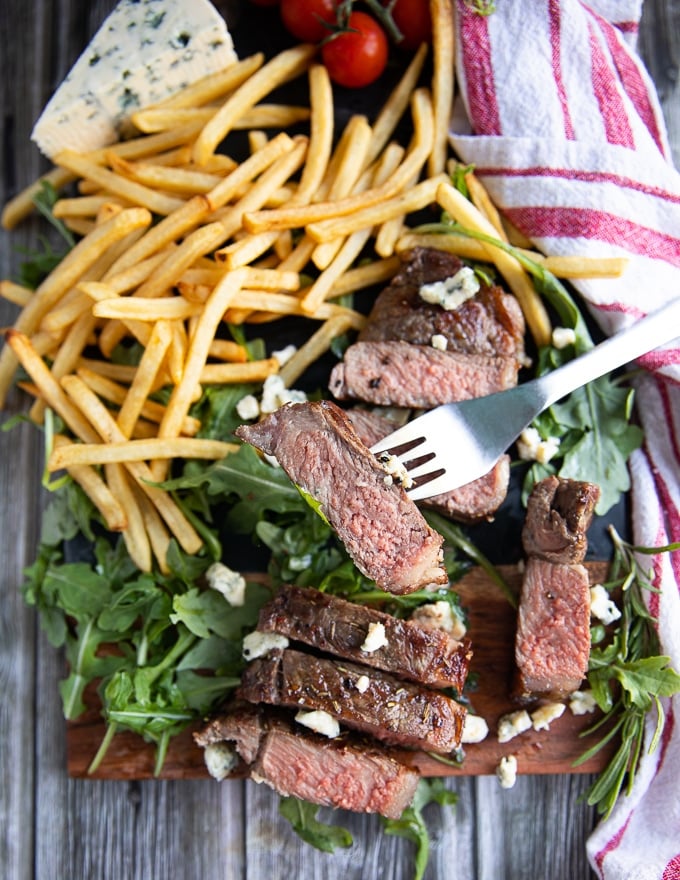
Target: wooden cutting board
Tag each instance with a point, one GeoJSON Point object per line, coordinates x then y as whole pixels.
{"type": "Point", "coordinates": [492, 631]}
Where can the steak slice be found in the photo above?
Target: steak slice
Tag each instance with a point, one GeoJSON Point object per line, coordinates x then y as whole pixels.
{"type": "Point", "coordinates": [490, 323]}
{"type": "Point", "coordinates": [552, 643]}
{"type": "Point", "coordinates": [393, 711]}
{"type": "Point", "coordinates": [401, 374]}
{"type": "Point", "coordinates": [382, 529]}
{"type": "Point", "coordinates": [347, 772]}
{"type": "Point", "coordinates": [336, 626]}
{"type": "Point", "coordinates": [559, 513]}
{"type": "Point", "coordinates": [470, 503]}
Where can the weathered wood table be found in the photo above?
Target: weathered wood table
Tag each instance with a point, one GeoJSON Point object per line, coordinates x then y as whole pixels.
{"type": "Point", "coordinates": [53, 826]}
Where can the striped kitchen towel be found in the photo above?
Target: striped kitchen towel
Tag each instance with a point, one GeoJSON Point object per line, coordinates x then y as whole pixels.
{"type": "Point", "coordinates": [562, 123]}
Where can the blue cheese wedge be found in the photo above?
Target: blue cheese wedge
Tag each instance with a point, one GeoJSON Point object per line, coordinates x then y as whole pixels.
{"type": "Point", "coordinates": [144, 52]}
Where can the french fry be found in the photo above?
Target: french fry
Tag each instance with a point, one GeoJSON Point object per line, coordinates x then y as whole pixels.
{"type": "Point", "coordinates": [177, 352]}
{"type": "Point", "coordinates": [116, 393]}
{"type": "Point", "coordinates": [82, 206]}
{"type": "Point", "coordinates": [321, 133]}
{"type": "Point", "coordinates": [260, 116]}
{"type": "Point", "coordinates": [22, 205]}
{"type": "Point", "coordinates": [179, 180]}
{"type": "Point", "coordinates": [145, 377]}
{"type": "Point", "coordinates": [300, 216]}
{"type": "Point", "coordinates": [581, 267]}
{"type": "Point", "coordinates": [167, 308]}
{"type": "Point", "coordinates": [536, 316]}
{"type": "Point", "coordinates": [97, 491]}
{"type": "Point", "coordinates": [209, 320]}
{"type": "Point", "coordinates": [396, 105]}
{"type": "Point", "coordinates": [443, 61]}
{"type": "Point", "coordinates": [135, 534]}
{"type": "Point", "coordinates": [482, 201]}
{"type": "Point", "coordinates": [71, 454]}
{"type": "Point", "coordinates": [225, 374]}
{"type": "Point", "coordinates": [287, 65]}
{"type": "Point", "coordinates": [226, 350]}
{"type": "Point", "coordinates": [158, 535]}
{"type": "Point", "coordinates": [106, 427]}
{"type": "Point", "coordinates": [15, 293]}
{"type": "Point", "coordinates": [366, 275]}
{"type": "Point", "coordinates": [313, 348]}
{"type": "Point", "coordinates": [413, 199]}
{"type": "Point", "coordinates": [48, 386]}
{"type": "Point", "coordinates": [452, 242]}
{"type": "Point", "coordinates": [213, 87]}
{"type": "Point", "coordinates": [117, 185]}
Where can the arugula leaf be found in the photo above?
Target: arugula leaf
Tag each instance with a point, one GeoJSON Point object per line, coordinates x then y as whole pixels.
{"type": "Point", "coordinates": [627, 676]}
{"type": "Point", "coordinates": [302, 817]}
{"type": "Point", "coordinates": [412, 825]}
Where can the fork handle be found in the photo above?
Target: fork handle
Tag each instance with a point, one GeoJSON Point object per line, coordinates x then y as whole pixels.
{"type": "Point", "coordinates": [644, 336]}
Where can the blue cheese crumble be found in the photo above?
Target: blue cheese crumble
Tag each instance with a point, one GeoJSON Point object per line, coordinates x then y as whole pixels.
{"type": "Point", "coordinates": [320, 722]}
{"type": "Point", "coordinates": [452, 292]}
{"type": "Point", "coordinates": [259, 644]}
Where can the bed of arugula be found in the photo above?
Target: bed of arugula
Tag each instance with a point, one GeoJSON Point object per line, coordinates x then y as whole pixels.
{"type": "Point", "coordinates": [164, 650]}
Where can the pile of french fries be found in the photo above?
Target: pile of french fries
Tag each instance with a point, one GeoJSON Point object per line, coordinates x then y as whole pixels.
{"type": "Point", "coordinates": [177, 239]}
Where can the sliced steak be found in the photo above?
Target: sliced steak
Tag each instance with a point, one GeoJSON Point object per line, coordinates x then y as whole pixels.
{"type": "Point", "coordinates": [472, 502]}
{"type": "Point", "coordinates": [490, 323]}
{"type": "Point", "coordinates": [559, 513]}
{"type": "Point", "coordinates": [347, 772]}
{"type": "Point", "coordinates": [370, 701]}
{"type": "Point", "coordinates": [401, 374]}
{"type": "Point", "coordinates": [553, 630]}
{"type": "Point", "coordinates": [333, 625]}
{"type": "Point", "coordinates": [382, 529]}
{"type": "Point", "coordinates": [477, 500]}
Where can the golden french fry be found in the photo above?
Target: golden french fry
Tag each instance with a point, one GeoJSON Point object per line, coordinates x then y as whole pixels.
{"type": "Point", "coordinates": [366, 275]}
{"type": "Point", "coordinates": [443, 60]}
{"type": "Point", "coordinates": [15, 293]}
{"type": "Point", "coordinates": [226, 350]}
{"type": "Point", "coordinates": [97, 491]}
{"type": "Point", "coordinates": [135, 534]}
{"type": "Point", "coordinates": [116, 393]}
{"type": "Point", "coordinates": [82, 206]}
{"type": "Point", "coordinates": [145, 377]}
{"type": "Point", "coordinates": [71, 454]}
{"type": "Point", "coordinates": [158, 535]}
{"type": "Point", "coordinates": [321, 133]}
{"type": "Point", "coordinates": [172, 180]}
{"type": "Point", "coordinates": [22, 204]}
{"type": "Point", "coordinates": [50, 390]}
{"type": "Point", "coordinates": [226, 374]}
{"type": "Point", "coordinates": [396, 105]}
{"type": "Point", "coordinates": [283, 67]}
{"type": "Point", "coordinates": [213, 87]}
{"type": "Point", "coordinates": [199, 346]}
{"type": "Point", "coordinates": [117, 185]}
{"type": "Point", "coordinates": [313, 348]}
{"type": "Point", "coordinates": [581, 267]}
{"type": "Point", "coordinates": [482, 201]}
{"type": "Point", "coordinates": [167, 308]}
{"type": "Point", "coordinates": [106, 427]}
{"type": "Point", "coordinates": [268, 182]}
{"type": "Point", "coordinates": [453, 242]}
{"type": "Point", "coordinates": [302, 215]}
{"type": "Point", "coordinates": [536, 316]}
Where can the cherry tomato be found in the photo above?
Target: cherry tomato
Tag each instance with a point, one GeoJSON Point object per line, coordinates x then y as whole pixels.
{"type": "Point", "coordinates": [304, 19]}
{"type": "Point", "coordinates": [358, 56]}
{"type": "Point", "coordinates": [413, 19]}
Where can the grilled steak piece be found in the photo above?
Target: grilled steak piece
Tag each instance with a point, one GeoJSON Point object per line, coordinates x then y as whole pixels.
{"type": "Point", "coordinates": [490, 323]}
{"type": "Point", "coordinates": [336, 626]}
{"type": "Point", "coordinates": [347, 772]}
{"type": "Point", "coordinates": [474, 501]}
{"type": "Point", "coordinates": [553, 630]}
{"type": "Point", "coordinates": [401, 374]}
{"type": "Point", "coordinates": [370, 701]}
{"type": "Point", "coordinates": [382, 529]}
{"type": "Point", "coordinates": [559, 513]}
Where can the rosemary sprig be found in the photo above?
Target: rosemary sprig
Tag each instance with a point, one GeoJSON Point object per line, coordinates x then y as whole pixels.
{"type": "Point", "coordinates": [627, 675]}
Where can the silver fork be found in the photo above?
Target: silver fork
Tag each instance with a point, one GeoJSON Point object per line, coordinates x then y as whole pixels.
{"type": "Point", "coordinates": [456, 443]}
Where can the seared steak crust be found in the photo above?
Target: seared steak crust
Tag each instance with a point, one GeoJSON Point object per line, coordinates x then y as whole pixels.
{"type": "Point", "coordinates": [348, 772]}
{"type": "Point", "coordinates": [401, 374]}
{"type": "Point", "coordinates": [491, 323]}
{"type": "Point", "coordinates": [336, 626]}
{"type": "Point", "coordinates": [393, 711]}
{"type": "Point", "coordinates": [559, 513]}
{"type": "Point", "coordinates": [553, 630]}
{"type": "Point", "coordinates": [382, 529]}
